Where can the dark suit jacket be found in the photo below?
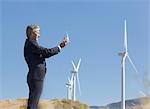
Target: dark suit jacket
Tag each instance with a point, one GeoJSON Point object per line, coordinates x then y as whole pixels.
{"type": "Point", "coordinates": [35, 58]}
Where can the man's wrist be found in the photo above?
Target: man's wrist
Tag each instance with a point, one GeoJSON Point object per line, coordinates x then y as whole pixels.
{"type": "Point", "coordinates": [59, 47]}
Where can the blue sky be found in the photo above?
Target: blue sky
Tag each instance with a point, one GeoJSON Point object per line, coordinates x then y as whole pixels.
{"type": "Point", "coordinates": [95, 29]}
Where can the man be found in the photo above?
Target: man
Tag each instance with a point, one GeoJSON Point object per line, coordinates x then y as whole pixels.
{"type": "Point", "coordinates": [35, 58]}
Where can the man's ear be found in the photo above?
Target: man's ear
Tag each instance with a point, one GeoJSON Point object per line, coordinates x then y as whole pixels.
{"type": "Point", "coordinates": [29, 32]}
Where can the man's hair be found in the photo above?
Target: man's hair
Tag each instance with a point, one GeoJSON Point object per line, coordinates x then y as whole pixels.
{"type": "Point", "coordinates": [31, 28]}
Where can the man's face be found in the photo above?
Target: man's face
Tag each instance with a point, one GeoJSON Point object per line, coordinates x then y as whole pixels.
{"type": "Point", "coordinates": [35, 34]}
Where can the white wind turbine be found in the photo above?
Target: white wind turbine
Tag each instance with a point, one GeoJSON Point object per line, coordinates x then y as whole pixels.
{"type": "Point", "coordinates": [124, 55]}
{"type": "Point", "coordinates": [69, 88]}
{"type": "Point", "coordinates": [75, 77]}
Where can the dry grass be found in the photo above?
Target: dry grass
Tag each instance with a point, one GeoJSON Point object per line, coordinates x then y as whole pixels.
{"type": "Point", "coordinates": [146, 104]}
{"type": "Point", "coordinates": [44, 104]}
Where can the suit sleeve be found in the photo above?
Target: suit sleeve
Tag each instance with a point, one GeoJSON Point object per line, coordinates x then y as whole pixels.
{"type": "Point", "coordinates": [44, 52]}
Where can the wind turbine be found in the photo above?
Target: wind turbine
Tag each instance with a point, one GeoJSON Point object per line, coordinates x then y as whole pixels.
{"type": "Point", "coordinates": [124, 55]}
{"type": "Point", "coordinates": [69, 88]}
{"type": "Point", "coordinates": [75, 77]}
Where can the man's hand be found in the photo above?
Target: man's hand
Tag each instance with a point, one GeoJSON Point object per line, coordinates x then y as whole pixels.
{"type": "Point", "coordinates": [64, 42]}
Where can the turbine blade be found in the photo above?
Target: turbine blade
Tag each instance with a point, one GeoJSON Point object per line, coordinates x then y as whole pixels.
{"type": "Point", "coordinates": [74, 66]}
{"type": "Point", "coordinates": [78, 64]}
{"type": "Point", "coordinates": [125, 36]}
{"type": "Point", "coordinates": [69, 80]}
{"type": "Point", "coordinates": [136, 73]}
{"type": "Point", "coordinates": [142, 93]}
{"type": "Point", "coordinates": [79, 84]}
{"type": "Point", "coordinates": [132, 64]}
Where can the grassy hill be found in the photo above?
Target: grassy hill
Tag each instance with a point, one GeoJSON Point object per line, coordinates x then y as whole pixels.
{"type": "Point", "coordinates": [139, 103]}
{"type": "Point", "coordinates": [44, 104]}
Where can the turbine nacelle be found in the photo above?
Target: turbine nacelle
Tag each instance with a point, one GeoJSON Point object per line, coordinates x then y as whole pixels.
{"type": "Point", "coordinates": [69, 82]}
{"type": "Point", "coordinates": [68, 85]}
{"type": "Point", "coordinates": [122, 54]}
{"type": "Point", "coordinates": [73, 71]}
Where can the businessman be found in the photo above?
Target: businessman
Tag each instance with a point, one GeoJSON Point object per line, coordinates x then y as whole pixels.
{"type": "Point", "coordinates": [35, 58]}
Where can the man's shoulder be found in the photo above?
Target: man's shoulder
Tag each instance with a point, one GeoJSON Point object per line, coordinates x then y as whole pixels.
{"type": "Point", "coordinates": [31, 43]}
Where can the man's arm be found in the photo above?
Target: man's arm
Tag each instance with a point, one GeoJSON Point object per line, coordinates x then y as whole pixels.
{"type": "Point", "coordinates": [44, 52]}
{"type": "Point", "coordinates": [48, 52]}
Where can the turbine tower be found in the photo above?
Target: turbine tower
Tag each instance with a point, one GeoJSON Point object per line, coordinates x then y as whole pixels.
{"type": "Point", "coordinates": [75, 77]}
{"type": "Point", "coordinates": [124, 55]}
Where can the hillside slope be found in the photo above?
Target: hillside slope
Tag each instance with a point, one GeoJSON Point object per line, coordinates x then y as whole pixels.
{"type": "Point", "coordinates": [139, 103]}
{"type": "Point", "coordinates": [44, 104]}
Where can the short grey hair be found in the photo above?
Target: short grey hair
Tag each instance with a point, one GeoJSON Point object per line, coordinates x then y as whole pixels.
{"type": "Point", "coordinates": [31, 28]}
